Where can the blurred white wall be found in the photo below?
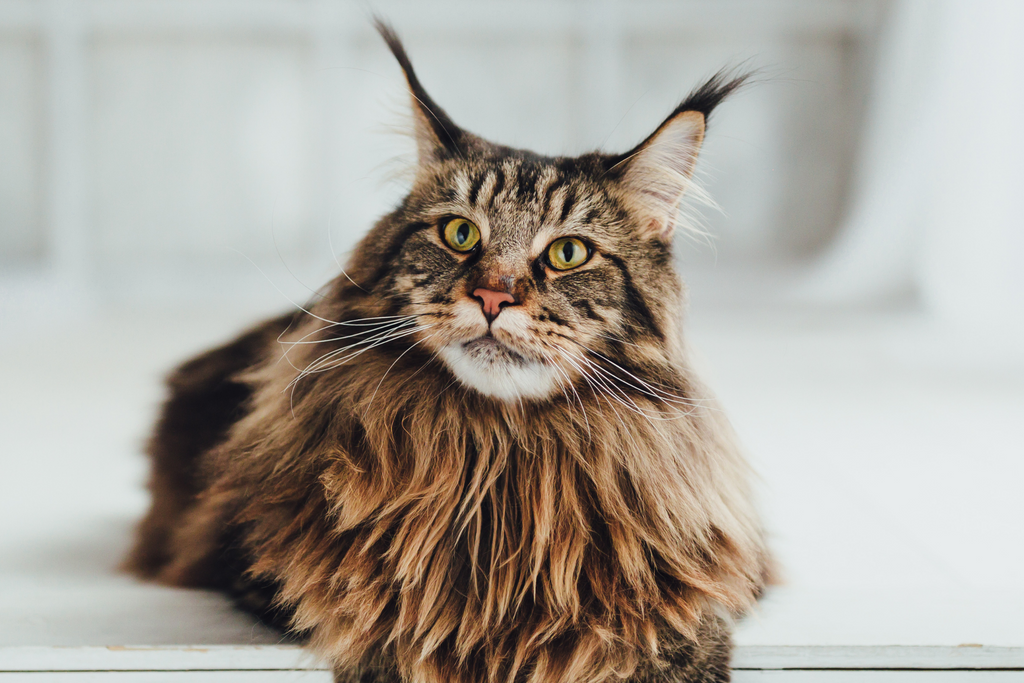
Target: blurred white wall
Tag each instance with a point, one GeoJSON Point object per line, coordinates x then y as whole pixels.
{"type": "Point", "coordinates": [936, 208]}
{"type": "Point", "coordinates": [168, 151]}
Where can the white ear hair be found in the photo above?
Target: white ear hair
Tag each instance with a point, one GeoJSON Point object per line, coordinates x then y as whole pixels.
{"type": "Point", "coordinates": [430, 146]}
{"type": "Point", "coordinates": [659, 172]}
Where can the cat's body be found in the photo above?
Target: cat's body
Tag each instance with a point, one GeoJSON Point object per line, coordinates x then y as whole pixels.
{"type": "Point", "coordinates": [480, 455]}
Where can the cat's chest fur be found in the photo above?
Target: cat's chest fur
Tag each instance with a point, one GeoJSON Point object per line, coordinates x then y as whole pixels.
{"type": "Point", "coordinates": [410, 514]}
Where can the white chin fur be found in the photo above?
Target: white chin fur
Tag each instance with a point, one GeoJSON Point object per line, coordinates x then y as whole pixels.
{"type": "Point", "coordinates": [498, 373]}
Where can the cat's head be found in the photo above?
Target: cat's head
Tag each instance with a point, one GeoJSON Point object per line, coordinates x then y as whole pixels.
{"type": "Point", "coordinates": [528, 274]}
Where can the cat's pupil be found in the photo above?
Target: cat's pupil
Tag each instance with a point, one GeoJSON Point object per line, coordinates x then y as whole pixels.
{"type": "Point", "coordinates": [462, 234]}
{"type": "Point", "coordinates": [567, 251]}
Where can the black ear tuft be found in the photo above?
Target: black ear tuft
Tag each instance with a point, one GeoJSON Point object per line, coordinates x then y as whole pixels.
{"type": "Point", "coordinates": [702, 100]}
{"type": "Point", "coordinates": [708, 96]}
{"type": "Point", "coordinates": [435, 129]}
{"type": "Point", "coordinates": [657, 172]}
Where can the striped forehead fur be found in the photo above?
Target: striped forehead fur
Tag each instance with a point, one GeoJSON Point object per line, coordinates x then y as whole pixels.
{"type": "Point", "coordinates": [543, 188]}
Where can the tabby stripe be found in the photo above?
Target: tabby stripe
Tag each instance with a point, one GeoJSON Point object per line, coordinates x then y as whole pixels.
{"type": "Point", "coordinates": [539, 273]}
{"type": "Point", "coordinates": [441, 297]}
{"type": "Point", "coordinates": [396, 302]}
{"type": "Point", "coordinates": [556, 319]}
{"type": "Point", "coordinates": [499, 185]}
{"type": "Point", "coordinates": [567, 204]}
{"type": "Point", "coordinates": [635, 304]}
{"type": "Point", "coordinates": [558, 182]}
{"type": "Point", "coordinates": [587, 308]}
{"type": "Point", "coordinates": [395, 248]}
{"type": "Point", "coordinates": [526, 182]}
{"type": "Point", "coordinates": [474, 189]}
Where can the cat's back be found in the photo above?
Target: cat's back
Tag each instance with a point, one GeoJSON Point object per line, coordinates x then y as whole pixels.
{"type": "Point", "coordinates": [205, 398]}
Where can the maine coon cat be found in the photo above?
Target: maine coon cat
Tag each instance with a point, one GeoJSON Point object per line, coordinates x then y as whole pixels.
{"type": "Point", "coordinates": [480, 455]}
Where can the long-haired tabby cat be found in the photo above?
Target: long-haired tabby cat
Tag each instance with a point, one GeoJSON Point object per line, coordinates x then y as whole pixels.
{"type": "Point", "coordinates": [481, 455]}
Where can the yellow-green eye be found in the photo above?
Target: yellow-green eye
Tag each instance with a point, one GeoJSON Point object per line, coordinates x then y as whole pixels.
{"type": "Point", "coordinates": [567, 253]}
{"type": "Point", "coordinates": [461, 235]}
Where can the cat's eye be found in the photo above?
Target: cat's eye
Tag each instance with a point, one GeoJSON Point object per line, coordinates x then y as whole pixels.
{"type": "Point", "coordinates": [461, 235]}
{"type": "Point", "coordinates": [567, 253]}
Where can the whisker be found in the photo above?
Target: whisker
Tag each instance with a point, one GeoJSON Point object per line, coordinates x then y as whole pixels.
{"type": "Point", "coordinates": [326, 362]}
{"type": "Point", "coordinates": [625, 430]}
{"type": "Point", "coordinates": [319, 363]}
{"type": "Point", "coordinates": [599, 394]}
{"type": "Point", "coordinates": [563, 375]}
{"type": "Point", "coordinates": [287, 298]}
{"type": "Point", "coordinates": [643, 390]}
{"type": "Point", "coordinates": [379, 326]}
{"type": "Point", "coordinates": [329, 361]}
{"type": "Point", "coordinates": [615, 392]}
{"type": "Point", "coordinates": [395, 324]}
{"type": "Point", "coordinates": [330, 243]}
{"type": "Point", "coordinates": [645, 386]}
{"type": "Point", "coordinates": [620, 341]}
{"type": "Point", "coordinates": [411, 347]}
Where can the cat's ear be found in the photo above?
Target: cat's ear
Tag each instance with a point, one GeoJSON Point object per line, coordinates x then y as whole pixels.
{"type": "Point", "coordinates": [657, 173]}
{"type": "Point", "coordinates": [437, 137]}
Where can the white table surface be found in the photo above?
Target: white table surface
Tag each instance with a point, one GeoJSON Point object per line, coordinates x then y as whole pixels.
{"type": "Point", "coordinates": [891, 454]}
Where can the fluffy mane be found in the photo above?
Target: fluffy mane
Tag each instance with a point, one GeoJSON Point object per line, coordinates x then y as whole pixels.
{"type": "Point", "coordinates": [484, 540]}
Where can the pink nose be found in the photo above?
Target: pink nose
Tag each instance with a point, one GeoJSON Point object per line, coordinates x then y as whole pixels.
{"type": "Point", "coordinates": [491, 301]}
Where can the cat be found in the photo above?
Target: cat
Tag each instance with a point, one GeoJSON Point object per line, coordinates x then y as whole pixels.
{"type": "Point", "coordinates": [481, 454]}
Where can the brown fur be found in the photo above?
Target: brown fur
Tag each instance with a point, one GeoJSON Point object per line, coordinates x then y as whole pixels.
{"type": "Point", "coordinates": [415, 528]}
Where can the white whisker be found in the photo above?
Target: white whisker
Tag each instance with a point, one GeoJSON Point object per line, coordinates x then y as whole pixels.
{"type": "Point", "coordinates": [343, 355]}
{"type": "Point", "coordinates": [330, 243]}
{"type": "Point", "coordinates": [563, 375]}
{"type": "Point", "coordinates": [612, 391]}
{"type": "Point", "coordinates": [287, 298]}
{"type": "Point", "coordinates": [328, 362]}
{"type": "Point", "coordinates": [388, 326]}
{"type": "Point", "coordinates": [411, 347]}
{"type": "Point", "coordinates": [649, 388]}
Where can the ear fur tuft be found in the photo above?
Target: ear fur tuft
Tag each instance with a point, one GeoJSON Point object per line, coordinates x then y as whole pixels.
{"type": "Point", "coordinates": [437, 136]}
{"type": "Point", "coordinates": [657, 172]}
{"type": "Point", "coordinates": [705, 98]}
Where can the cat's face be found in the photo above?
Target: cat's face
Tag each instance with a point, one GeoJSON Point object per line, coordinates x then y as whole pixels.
{"type": "Point", "coordinates": [523, 267]}
{"type": "Point", "coordinates": [529, 275]}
